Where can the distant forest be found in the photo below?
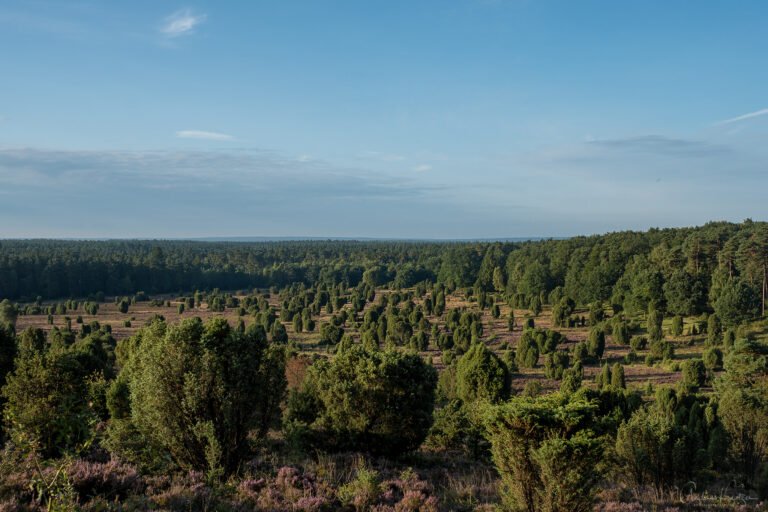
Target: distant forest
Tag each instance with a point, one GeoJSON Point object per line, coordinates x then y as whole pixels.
{"type": "Point", "coordinates": [682, 269]}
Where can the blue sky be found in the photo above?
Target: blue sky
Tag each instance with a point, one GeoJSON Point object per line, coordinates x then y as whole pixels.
{"type": "Point", "coordinates": [414, 119]}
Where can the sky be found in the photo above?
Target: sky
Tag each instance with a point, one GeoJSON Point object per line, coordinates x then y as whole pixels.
{"type": "Point", "coordinates": [380, 118]}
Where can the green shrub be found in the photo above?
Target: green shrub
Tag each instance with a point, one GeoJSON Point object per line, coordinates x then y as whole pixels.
{"type": "Point", "coordinates": [677, 325]}
{"type": "Point", "coordinates": [481, 375]}
{"type": "Point", "coordinates": [620, 333]}
{"type": "Point", "coordinates": [375, 401]}
{"type": "Point", "coordinates": [713, 358]}
{"type": "Point", "coordinates": [546, 453]}
{"type": "Point", "coordinates": [596, 343]}
{"type": "Point", "coordinates": [638, 343]}
{"type": "Point", "coordinates": [200, 390]}
{"type": "Point", "coordinates": [694, 374]}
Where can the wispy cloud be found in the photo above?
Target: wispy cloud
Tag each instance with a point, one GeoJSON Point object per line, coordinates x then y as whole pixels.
{"type": "Point", "coordinates": [181, 23]}
{"type": "Point", "coordinates": [241, 170]}
{"type": "Point", "coordinates": [423, 168]}
{"type": "Point", "coordinates": [202, 135]}
{"type": "Point", "coordinates": [661, 145]}
{"type": "Point", "coordinates": [750, 115]}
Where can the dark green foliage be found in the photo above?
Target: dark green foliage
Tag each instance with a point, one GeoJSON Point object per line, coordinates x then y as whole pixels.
{"type": "Point", "coordinates": [743, 405]}
{"type": "Point", "coordinates": [379, 402]}
{"type": "Point", "coordinates": [581, 352]}
{"type": "Point", "coordinates": [662, 350]}
{"type": "Point", "coordinates": [596, 343]}
{"type": "Point", "coordinates": [620, 332]}
{"type": "Point", "coordinates": [8, 349]}
{"type": "Point", "coordinates": [638, 343]}
{"type": "Point", "coordinates": [278, 333]}
{"type": "Point", "coordinates": [534, 305]}
{"type": "Point", "coordinates": [596, 313]}
{"type": "Point", "coordinates": [453, 429]}
{"type": "Point", "coordinates": [618, 381]}
{"type": "Point", "coordinates": [8, 313]}
{"type": "Point", "coordinates": [736, 302]}
{"type": "Point", "coordinates": [527, 353]}
{"type": "Point", "coordinates": [47, 399]}
{"type": "Point", "coordinates": [572, 378]}
{"type": "Point", "coordinates": [676, 329]}
{"type": "Point", "coordinates": [653, 324]}
{"type": "Point", "coordinates": [481, 375]}
{"type": "Point", "coordinates": [330, 334]}
{"type": "Point", "coordinates": [198, 390]}
{"type": "Point", "coordinates": [694, 374]}
{"type": "Point", "coordinates": [670, 441]}
{"type": "Point", "coordinates": [714, 330]}
{"type": "Point", "coordinates": [603, 378]}
{"type": "Point", "coordinates": [561, 312]}
{"type": "Point", "coordinates": [546, 453]}
{"type": "Point", "coordinates": [713, 358]}
{"type": "Point", "coordinates": [555, 364]}
{"type": "Point", "coordinates": [685, 294]}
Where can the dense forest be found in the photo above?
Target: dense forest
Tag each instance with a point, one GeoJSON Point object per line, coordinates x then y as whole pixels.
{"type": "Point", "coordinates": [619, 372]}
{"type": "Point", "coordinates": [681, 266]}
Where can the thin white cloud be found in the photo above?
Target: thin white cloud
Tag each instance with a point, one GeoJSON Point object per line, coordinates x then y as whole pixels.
{"type": "Point", "coordinates": [181, 23]}
{"type": "Point", "coordinates": [423, 168]}
{"type": "Point", "coordinates": [756, 113]}
{"type": "Point", "coordinates": [202, 135]}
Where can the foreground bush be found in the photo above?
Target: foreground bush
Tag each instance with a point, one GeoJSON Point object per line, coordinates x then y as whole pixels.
{"type": "Point", "coordinates": [198, 390]}
{"type": "Point", "coordinates": [369, 400]}
{"type": "Point", "coordinates": [546, 453]}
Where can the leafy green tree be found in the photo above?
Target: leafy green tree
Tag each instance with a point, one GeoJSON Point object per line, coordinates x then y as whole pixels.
{"type": "Point", "coordinates": [603, 379]}
{"type": "Point", "coordinates": [47, 401]}
{"type": "Point", "coordinates": [653, 324]}
{"type": "Point", "coordinates": [713, 358]}
{"type": "Point", "coordinates": [330, 334]}
{"type": "Point", "coordinates": [618, 380]}
{"type": "Point", "coordinates": [677, 325]}
{"type": "Point", "coordinates": [555, 364]}
{"type": "Point", "coordinates": [562, 311]}
{"type": "Point", "coordinates": [596, 343]}
{"type": "Point", "coordinates": [199, 390]}
{"type": "Point", "coordinates": [596, 313]}
{"type": "Point", "coordinates": [714, 330]}
{"type": "Point", "coordinates": [572, 378]}
{"type": "Point", "coordinates": [499, 281]}
{"type": "Point", "coordinates": [640, 286]}
{"type": "Point", "coordinates": [527, 354]}
{"type": "Point", "coordinates": [684, 293]}
{"type": "Point", "coordinates": [546, 453]}
{"type": "Point", "coordinates": [743, 405]}
{"type": "Point", "coordinates": [374, 401]}
{"type": "Point", "coordinates": [620, 333]}
{"type": "Point", "coordinates": [644, 448]}
{"type": "Point", "coordinates": [481, 375]}
{"type": "Point", "coordinates": [278, 333]}
{"type": "Point", "coordinates": [534, 305]}
{"type": "Point", "coordinates": [694, 374]}
{"type": "Point", "coordinates": [736, 303]}
{"type": "Point", "coordinates": [8, 313]}
{"type": "Point", "coordinates": [8, 350]}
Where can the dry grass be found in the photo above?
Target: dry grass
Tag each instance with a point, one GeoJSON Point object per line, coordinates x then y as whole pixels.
{"type": "Point", "coordinates": [496, 335]}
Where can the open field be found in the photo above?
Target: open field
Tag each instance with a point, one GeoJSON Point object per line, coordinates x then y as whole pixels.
{"type": "Point", "coordinates": [496, 335]}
